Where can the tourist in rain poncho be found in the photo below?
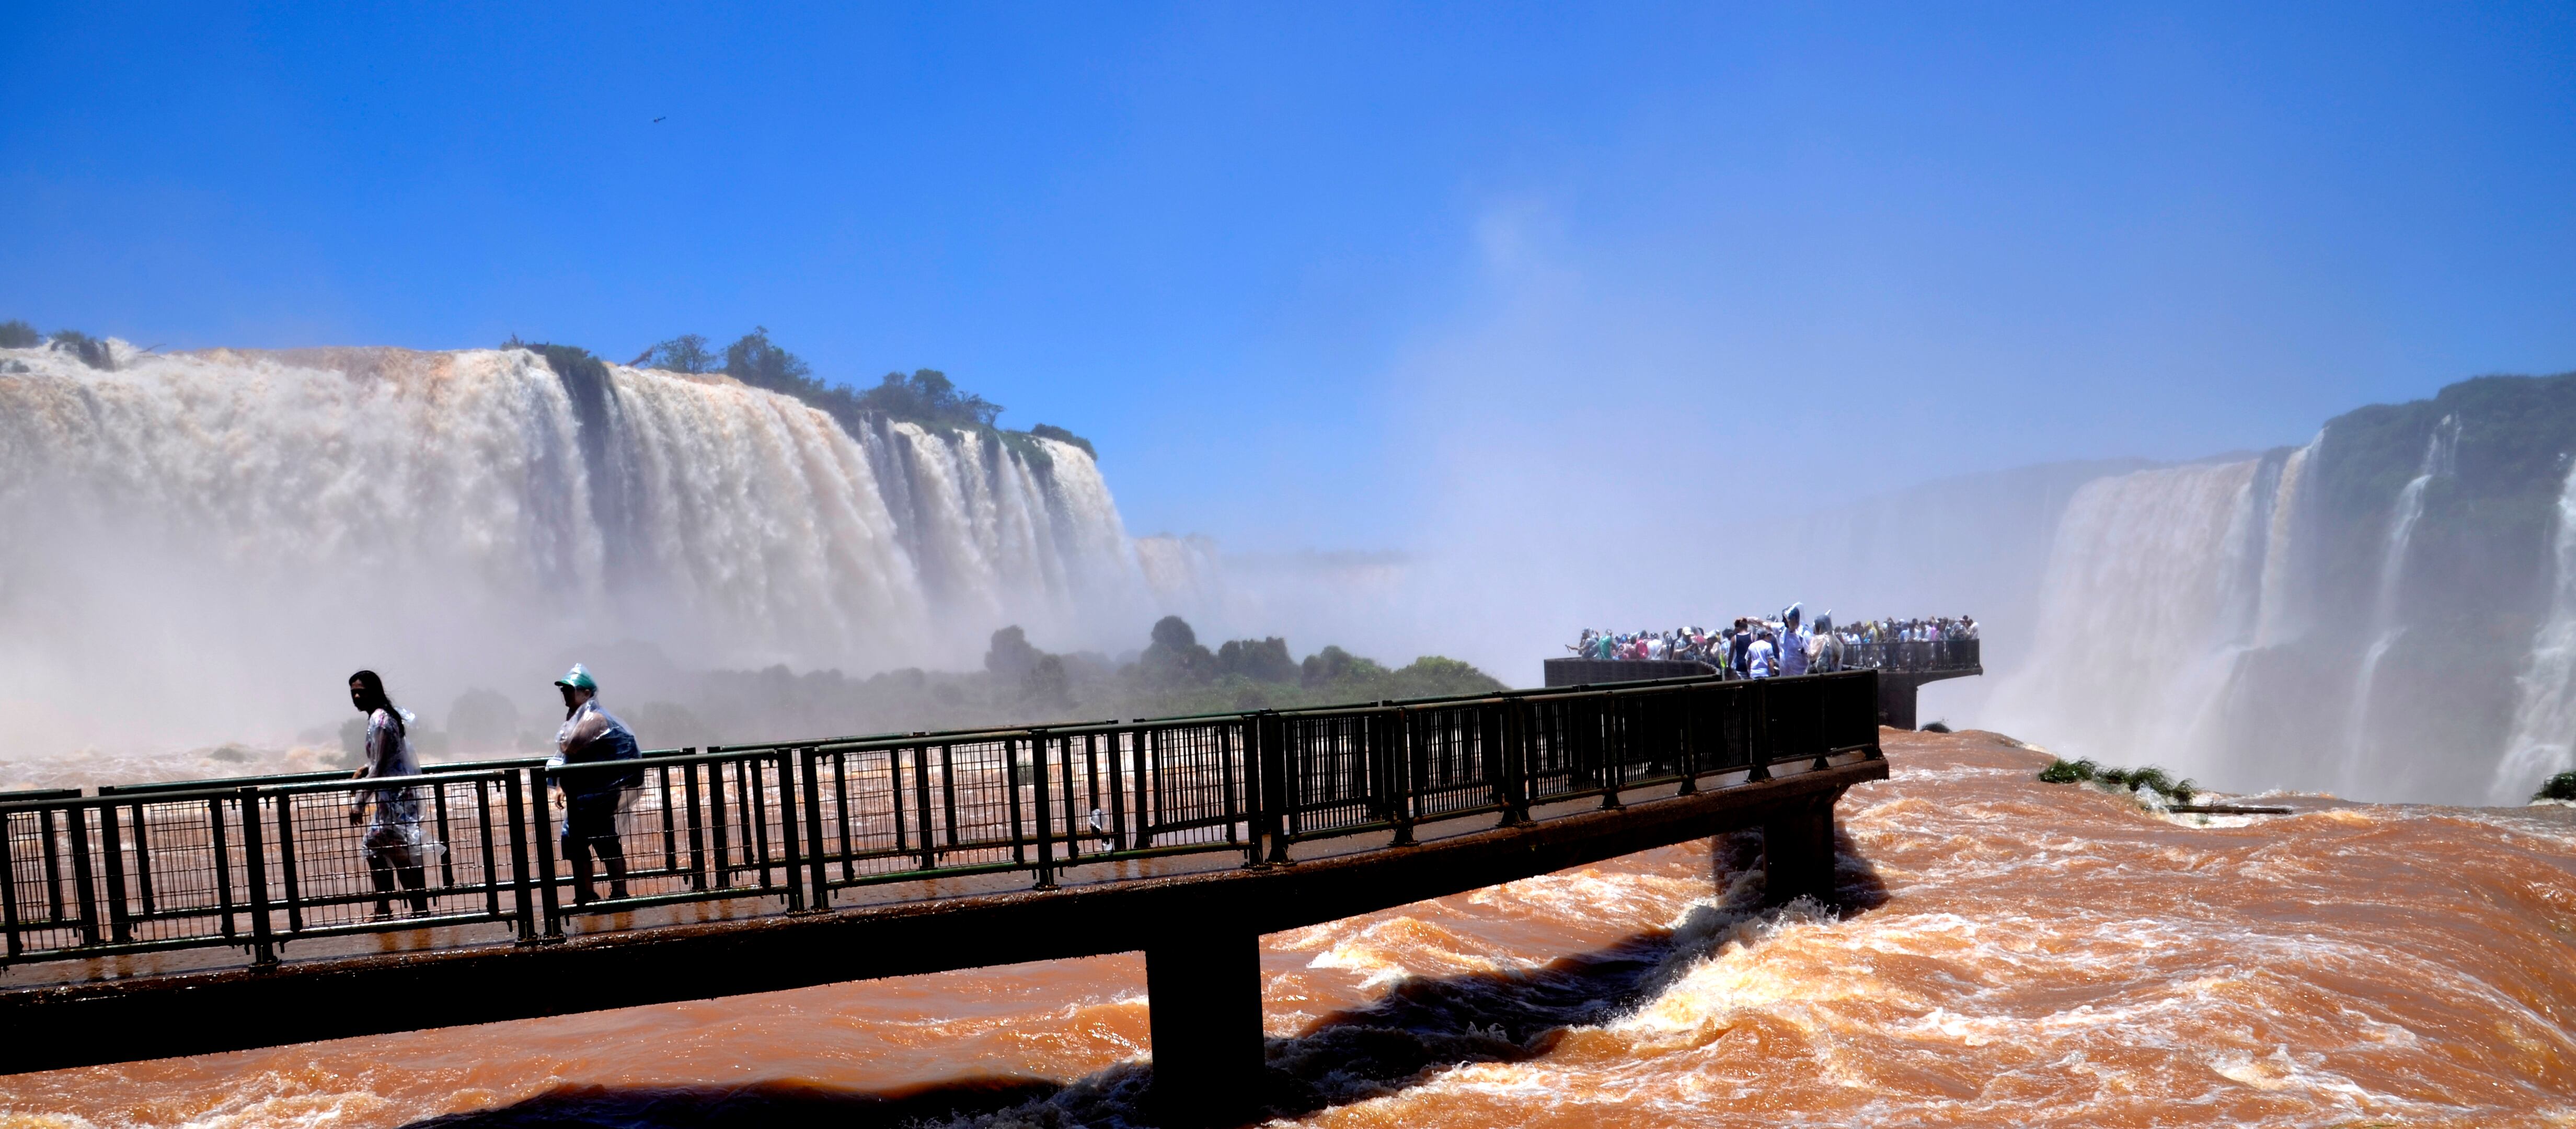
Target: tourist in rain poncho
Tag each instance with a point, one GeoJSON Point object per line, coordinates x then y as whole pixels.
{"type": "Point", "coordinates": [395, 848]}
{"type": "Point", "coordinates": [591, 735]}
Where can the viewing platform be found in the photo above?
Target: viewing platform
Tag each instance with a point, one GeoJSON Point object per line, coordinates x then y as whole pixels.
{"type": "Point", "coordinates": [150, 921]}
{"type": "Point", "coordinates": [1903, 668]}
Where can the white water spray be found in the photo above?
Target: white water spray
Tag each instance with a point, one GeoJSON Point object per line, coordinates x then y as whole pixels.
{"type": "Point", "coordinates": [200, 547]}
{"type": "Point", "coordinates": [2384, 624]}
{"type": "Point", "coordinates": [2544, 716]}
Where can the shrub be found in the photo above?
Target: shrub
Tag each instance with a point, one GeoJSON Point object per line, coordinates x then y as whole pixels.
{"type": "Point", "coordinates": [91, 351]}
{"type": "Point", "coordinates": [2148, 779]}
{"type": "Point", "coordinates": [1937, 727]}
{"type": "Point", "coordinates": [15, 334]}
{"type": "Point", "coordinates": [2067, 772]}
{"type": "Point", "coordinates": [2559, 787]}
{"type": "Point", "coordinates": [687, 352]}
{"type": "Point", "coordinates": [1261, 660]}
{"type": "Point", "coordinates": [1060, 435]}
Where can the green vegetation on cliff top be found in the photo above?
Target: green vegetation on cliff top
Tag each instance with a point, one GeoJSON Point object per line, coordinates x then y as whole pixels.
{"type": "Point", "coordinates": [924, 397]}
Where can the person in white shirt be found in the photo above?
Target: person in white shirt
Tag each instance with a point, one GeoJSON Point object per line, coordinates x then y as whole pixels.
{"type": "Point", "coordinates": [1758, 658]}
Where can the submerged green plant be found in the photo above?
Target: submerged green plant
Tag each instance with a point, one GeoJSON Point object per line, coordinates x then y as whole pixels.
{"type": "Point", "coordinates": [2148, 779]}
{"type": "Point", "coordinates": [2559, 787]}
{"type": "Point", "coordinates": [2067, 772]}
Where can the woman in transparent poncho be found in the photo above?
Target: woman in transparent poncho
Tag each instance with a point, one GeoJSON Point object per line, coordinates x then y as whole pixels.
{"type": "Point", "coordinates": [394, 846]}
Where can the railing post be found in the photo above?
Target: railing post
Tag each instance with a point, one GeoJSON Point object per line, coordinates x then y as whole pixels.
{"type": "Point", "coordinates": [1687, 728]}
{"type": "Point", "coordinates": [263, 946]}
{"type": "Point", "coordinates": [1117, 791]}
{"type": "Point", "coordinates": [1279, 785]}
{"type": "Point", "coordinates": [112, 851]}
{"type": "Point", "coordinates": [1757, 729]}
{"type": "Point", "coordinates": [921, 806]}
{"type": "Point", "coordinates": [816, 866]}
{"type": "Point", "coordinates": [542, 826]}
{"type": "Point", "coordinates": [9, 883]}
{"type": "Point", "coordinates": [1408, 775]}
{"type": "Point", "coordinates": [788, 870]}
{"type": "Point", "coordinates": [1045, 820]}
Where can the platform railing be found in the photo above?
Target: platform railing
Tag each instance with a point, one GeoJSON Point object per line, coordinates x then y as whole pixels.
{"type": "Point", "coordinates": [1913, 657]}
{"type": "Point", "coordinates": [260, 862]}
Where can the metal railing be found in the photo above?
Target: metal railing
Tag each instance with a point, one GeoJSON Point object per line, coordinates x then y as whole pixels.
{"type": "Point", "coordinates": [1912, 657]}
{"type": "Point", "coordinates": [261, 862]}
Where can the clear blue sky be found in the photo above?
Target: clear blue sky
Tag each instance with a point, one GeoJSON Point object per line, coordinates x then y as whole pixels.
{"type": "Point", "coordinates": [1308, 273]}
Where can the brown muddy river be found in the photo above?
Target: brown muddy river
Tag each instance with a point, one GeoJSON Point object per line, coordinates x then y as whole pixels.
{"type": "Point", "coordinates": [2014, 954]}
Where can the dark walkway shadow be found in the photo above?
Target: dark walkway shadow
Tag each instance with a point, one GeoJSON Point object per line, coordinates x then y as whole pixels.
{"type": "Point", "coordinates": [1417, 1029]}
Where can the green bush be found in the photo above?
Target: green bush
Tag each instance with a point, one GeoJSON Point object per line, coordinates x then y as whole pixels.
{"type": "Point", "coordinates": [925, 397]}
{"type": "Point", "coordinates": [2149, 779]}
{"type": "Point", "coordinates": [1060, 435]}
{"type": "Point", "coordinates": [2559, 787]}
{"type": "Point", "coordinates": [91, 350]}
{"type": "Point", "coordinates": [2067, 772]}
{"type": "Point", "coordinates": [15, 334]}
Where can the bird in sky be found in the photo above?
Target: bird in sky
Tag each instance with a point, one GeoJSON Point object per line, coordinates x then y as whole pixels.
{"type": "Point", "coordinates": [658, 121]}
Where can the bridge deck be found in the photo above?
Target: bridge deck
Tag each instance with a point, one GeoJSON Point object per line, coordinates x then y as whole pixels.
{"type": "Point", "coordinates": [769, 867]}
{"type": "Point", "coordinates": [210, 1010]}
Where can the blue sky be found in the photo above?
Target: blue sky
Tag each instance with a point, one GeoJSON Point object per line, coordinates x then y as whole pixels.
{"type": "Point", "coordinates": [1309, 274]}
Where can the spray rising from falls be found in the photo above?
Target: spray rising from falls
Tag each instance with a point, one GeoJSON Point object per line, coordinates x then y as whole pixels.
{"type": "Point", "coordinates": [198, 543]}
{"type": "Point", "coordinates": [2151, 594]}
{"type": "Point", "coordinates": [2544, 717]}
{"type": "Point", "coordinates": [2387, 613]}
{"type": "Point", "coordinates": [2384, 624]}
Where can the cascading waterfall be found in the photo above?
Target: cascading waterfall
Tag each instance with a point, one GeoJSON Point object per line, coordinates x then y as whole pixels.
{"type": "Point", "coordinates": [2150, 579]}
{"type": "Point", "coordinates": [2385, 628]}
{"type": "Point", "coordinates": [201, 546]}
{"type": "Point", "coordinates": [2544, 717]}
{"type": "Point", "coordinates": [2191, 618]}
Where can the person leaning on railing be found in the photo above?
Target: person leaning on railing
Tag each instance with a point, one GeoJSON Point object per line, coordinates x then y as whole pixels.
{"type": "Point", "coordinates": [392, 815]}
{"type": "Point", "coordinates": [591, 735]}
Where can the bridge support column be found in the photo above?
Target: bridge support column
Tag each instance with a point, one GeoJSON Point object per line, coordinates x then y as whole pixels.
{"type": "Point", "coordinates": [1205, 996]}
{"type": "Point", "coordinates": [1798, 852]}
{"type": "Point", "coordinates": [1896, 700]}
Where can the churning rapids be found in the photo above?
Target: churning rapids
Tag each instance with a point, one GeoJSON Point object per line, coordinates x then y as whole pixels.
{"type": "Point", "coordinates": [2014, 954]}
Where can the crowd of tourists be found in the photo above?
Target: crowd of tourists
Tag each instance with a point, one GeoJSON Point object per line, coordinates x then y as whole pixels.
{"type": "Point", "coordinates": [1764, 646]}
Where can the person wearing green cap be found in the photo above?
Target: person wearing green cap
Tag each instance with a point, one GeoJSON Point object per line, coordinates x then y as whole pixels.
{"type": "Point", "coordinates": [591, 735]}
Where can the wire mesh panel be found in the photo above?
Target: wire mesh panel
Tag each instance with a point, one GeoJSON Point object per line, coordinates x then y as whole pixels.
{"type": "Point", "coordinates": [1451, 749]}
{"type": "Point", "coordinates": [1562, 738]}
{"type": "Point", "coordinates": [864, 819]}
{"type": "Point", "coordinates": [400, 852]}
{"type": "Point", "coordinates": [161, 869]}
{"type": "Point", "coordinates": [622, 834]}
{"type": "Point", "coordinates": [1333, 780]}
{"type": "Point", "coordinates": [1192, 783]}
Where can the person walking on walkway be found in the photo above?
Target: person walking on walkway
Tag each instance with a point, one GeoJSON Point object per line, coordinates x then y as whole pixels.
{"type": "Point", "coordinates": [591, 735]}
{"type": "Point", "coordinates": [393, 840]}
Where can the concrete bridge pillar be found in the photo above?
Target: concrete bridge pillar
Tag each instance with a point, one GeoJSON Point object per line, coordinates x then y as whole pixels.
{"type": "Point", "coordinates": [1205, 996]}
{"type": "Point", "coordinates": [1798, 851]}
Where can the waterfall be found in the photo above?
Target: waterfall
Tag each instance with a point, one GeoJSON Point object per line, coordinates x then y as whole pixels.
{"type": "Point", "coordinates": [2147, 587]}
{"type": "Point", "coordinates": [2544, 716]}
{"type": "Point", "coordinates": [201, 546]}
{"type": "Point", "coordinates": [2385, 627]}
